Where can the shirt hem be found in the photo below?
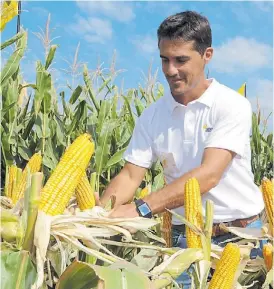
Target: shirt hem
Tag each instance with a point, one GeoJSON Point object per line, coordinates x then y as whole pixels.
{"type": "Point", "coordinates": [137, 162]}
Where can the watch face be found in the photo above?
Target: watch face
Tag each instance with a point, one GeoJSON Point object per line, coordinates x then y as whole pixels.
{"type": "Point", "coordinates": [144, 209]}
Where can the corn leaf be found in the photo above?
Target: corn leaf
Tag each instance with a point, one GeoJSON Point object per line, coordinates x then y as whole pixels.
{"type": "Point", "coordinates": [89, 88]}
{"type": "Point", "coordinates": [6, 109]}
{"type": "Point", "coordinates": [103, 148]}
{"type": "Point", "coordinates": [158, 182]}
{"type": "Point", "coordinates": [50, 56]}
{"type": "Point", "coordinates": [139, 106]}
{"type": "Point", "coordinates": [43, 84]}
{"type": "Point", "coordinates": [10, 41]}
{"type": "Point", "coordinates": [12, 64]}
{"type": "Point", "coordinates": [7, 155]}
{"type": "Point", "coordinates": [80, 275]}
{"type": "Point", "coordinates": [78, 115]}
{"type": "Point", "coordinates": [116, 158]}
{"type": "Point", "coordinates": [17, 270]}
{"type": "Point", "coordinates": [103, 114]}
{"type": "Point", "coordinates": [76, 93]}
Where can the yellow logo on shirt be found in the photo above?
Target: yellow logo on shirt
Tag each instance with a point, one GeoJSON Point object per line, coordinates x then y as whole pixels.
{"type": "Point", "coordinates": [206, 128]}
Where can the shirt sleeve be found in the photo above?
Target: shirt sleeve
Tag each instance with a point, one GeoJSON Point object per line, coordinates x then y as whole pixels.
{"type": "Point", "coordinates": [232, 128]}
{"type": "Point", "coordinates": [140, 148]}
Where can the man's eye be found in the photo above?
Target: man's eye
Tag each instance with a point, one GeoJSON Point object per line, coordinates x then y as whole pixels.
{"type": "Point", "coordinates": [164, 60]}
{"type": "Point", "coordinates": [181, 60]}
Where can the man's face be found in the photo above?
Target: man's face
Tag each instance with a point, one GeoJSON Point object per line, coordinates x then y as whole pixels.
{"type": "Point", "coordinates": [182, 65]}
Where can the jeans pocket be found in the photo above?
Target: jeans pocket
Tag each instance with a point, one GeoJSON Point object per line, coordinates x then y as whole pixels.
{"type": "Point", "coordinates": [178, 239]}
{"type": "Point", "coordinates": [175, 237]}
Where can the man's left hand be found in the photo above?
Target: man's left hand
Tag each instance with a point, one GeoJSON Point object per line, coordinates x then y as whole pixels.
{"type": "Point", "coordinates": [124, 211]}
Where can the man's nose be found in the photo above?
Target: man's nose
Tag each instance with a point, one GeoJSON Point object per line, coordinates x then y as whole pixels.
{"type": "Point", "coordinates": [171, 70]}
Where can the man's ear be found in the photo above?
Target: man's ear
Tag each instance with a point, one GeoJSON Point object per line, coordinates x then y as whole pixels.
{"type": "Point", "coordinates": [208, 55]}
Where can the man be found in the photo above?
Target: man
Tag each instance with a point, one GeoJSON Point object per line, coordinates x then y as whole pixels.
{"type": "Point", "coordinates": [199, 129]}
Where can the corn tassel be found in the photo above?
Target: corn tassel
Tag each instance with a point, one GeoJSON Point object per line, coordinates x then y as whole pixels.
{"type": "Point", "coordinates": [267, 188]}
{"type": "Point", "coordinates": [268, 256]}
{"type": "Point", "coordinates": [193, 212]}
{"type": "Point", "coordinates": [62, 183]}
{"type": "Point", "coordinates": [85, 194]}
{"type": "Point", "coordinates": [34, 165]}
{"type": "Point", "coordinates": [166, 228]}
{"type": "Point", "coordinates": [224, 275]}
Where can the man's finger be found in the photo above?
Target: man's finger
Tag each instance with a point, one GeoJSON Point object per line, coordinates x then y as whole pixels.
{"type": "Point", "coordinates": [97, 199]}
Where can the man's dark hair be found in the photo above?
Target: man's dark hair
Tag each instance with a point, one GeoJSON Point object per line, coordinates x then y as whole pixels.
{"type": "Point", "coordinates": [188, 26]}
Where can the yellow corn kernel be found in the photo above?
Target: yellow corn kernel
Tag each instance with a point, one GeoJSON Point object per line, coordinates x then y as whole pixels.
{"type": "Point", "coordinates": [85, 194]}
{"type": "Point", "coordinates": [166, 228]}
{"type": "Point", "coordinates": [12, 173]}
{"type": "Point", "coordinates": [224, 275]}
{"type": "Point", "coordinates": [144, 192]}
{"type": "Point", "coordinates": [268, 255]}
{"type": "Point", "coordinates": [9, 9]}
{"type": "Point", "coordinates": [34, 166]}
{"type": "Point", "coordinates": [267, 188]}
{"type": "Point", "coordinates": [62, 183]}
{"type": "Point", "coordinates": [193, 212]}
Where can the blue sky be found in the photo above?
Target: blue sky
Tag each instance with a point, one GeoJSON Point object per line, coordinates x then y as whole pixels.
{"type": "Point", "coordinates": [242, 39]}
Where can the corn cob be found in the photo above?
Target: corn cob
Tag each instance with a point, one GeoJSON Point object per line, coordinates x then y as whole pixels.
{"type": "Point", "coordinates": [267, 188]}
{"type": "Point", "coordinates": [12, 172]}
{"type": "Point", "coordinates": [268, 255]}
{"type": "Point", "coordinates": [34, 165]}
{"type": "Point", "coordinates": [85, 194]}
{"type": "Point", "coordinates": [62, 183]}
{"type": "Point", "coordinates": [166, 228]}
{"type": "Point", "coordinates": [144, 192]}
{"type": "Point", "coordinates": [193, 212]}
{"type": "Point", "coordinates": [224, 275]}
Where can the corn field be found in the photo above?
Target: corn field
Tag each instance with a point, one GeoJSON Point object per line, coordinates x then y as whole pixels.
{"type": "Point", "coordinates": [73, 145]}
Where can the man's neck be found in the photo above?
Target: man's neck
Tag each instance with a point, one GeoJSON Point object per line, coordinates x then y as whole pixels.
{"type": "Point", "coordinates": [194, 93]}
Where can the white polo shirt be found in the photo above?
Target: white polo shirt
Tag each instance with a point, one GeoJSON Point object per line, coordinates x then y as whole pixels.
{"type": "Point", "coordinates": [178, 134]}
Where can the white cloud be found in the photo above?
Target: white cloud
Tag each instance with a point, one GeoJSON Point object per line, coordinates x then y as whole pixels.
{"type": "Point", "coordinates": [263, 90]}
{"type": "Point", "coordinates": [164, 8]}
{"type": "Point", "coordinates": [241, 55]}
{"type": "Point", "coordinates": [265, 6]}
{"type": "Point", "coordinates": [119, 11]}
{"type": "Point", "coordinates": [93, 29]}
{"type": "Point", "coordinates": [40, 11]}
{"type": "Point", "coordinates": [146, 44]}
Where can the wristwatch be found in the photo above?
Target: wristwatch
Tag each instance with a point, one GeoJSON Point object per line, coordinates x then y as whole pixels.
{"type": "Point", "coordinates": [143, 209]}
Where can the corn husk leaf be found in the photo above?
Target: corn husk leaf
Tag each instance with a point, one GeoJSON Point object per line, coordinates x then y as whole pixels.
{"type": "Point", "coordinates": [146, 259]}
{"type": "Point", "coordinates": [269, 279]}
{"type": "Point", "coordinates": [200, 275]}
{"type": "Point", "coordinates": [174, 266]}
{"type": "Point", "coordinates": [186, 222]}
{"type": "Point", "coordinates": [246, 233]}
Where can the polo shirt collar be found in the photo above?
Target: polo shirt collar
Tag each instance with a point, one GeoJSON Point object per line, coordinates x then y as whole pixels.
{"type": "Point", "coordinates": [206, 98]}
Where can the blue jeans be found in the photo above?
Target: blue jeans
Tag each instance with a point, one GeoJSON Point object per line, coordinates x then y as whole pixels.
{"type": "Point", "coordinates": [179, 240]}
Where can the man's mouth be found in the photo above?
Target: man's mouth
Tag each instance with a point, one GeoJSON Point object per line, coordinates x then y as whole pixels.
{"type": "Point", "coordinates": [175, 80]}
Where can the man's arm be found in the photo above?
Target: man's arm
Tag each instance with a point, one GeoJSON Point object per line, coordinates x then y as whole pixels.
{"type": "Point", "coordinates": [208, 174]}
{"type": "Point", "coordinates": [214, 163]}
{"type": "Point", "coordinates": [124, 185]}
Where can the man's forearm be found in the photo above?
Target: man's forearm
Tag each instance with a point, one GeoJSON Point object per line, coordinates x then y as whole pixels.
{"type": "Point", "coordinates": [122, 188]}
{"type": "Point", "coordinates": [172, 195]}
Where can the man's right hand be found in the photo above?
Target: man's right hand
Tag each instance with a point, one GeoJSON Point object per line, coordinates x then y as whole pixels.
{"type": "Point", "coordinates": [123, 186]}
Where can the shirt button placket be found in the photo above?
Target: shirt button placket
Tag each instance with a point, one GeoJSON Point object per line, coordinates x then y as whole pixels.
{"type": "Point", "coordinates": [189, 124]}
